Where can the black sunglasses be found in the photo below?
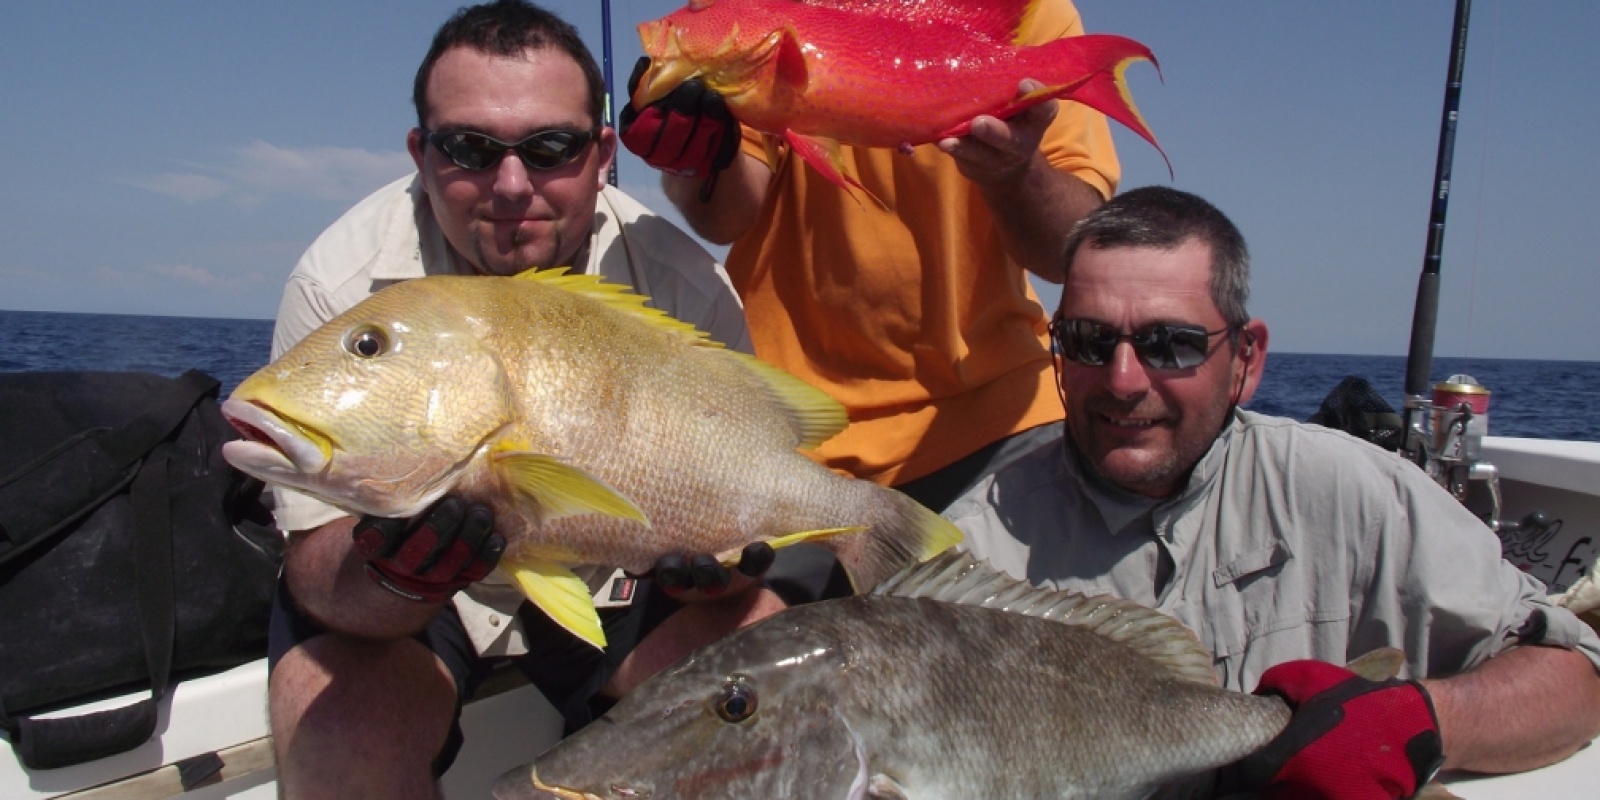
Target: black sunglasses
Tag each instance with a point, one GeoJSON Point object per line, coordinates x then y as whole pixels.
{"type": "Point", "coordinates": [1162, 347]}
{"type": "Point", "coordinates": [544, 150]}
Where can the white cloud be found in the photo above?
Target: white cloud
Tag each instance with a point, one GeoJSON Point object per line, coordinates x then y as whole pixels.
{"type": "Point", "coordinates": [190, 275]}
{"type": "Point", "coordinates": [28, 274]}
{"type": "Point", "coordinates": [188, 187]}
{"type": "Point", "coordinates": [184, 273]}
{"type": "Point", "coordinates": [325, 173]}
{"type": "Point", "coordinates": [250, 172]}
{"type": "Point", "coordinates": [169, 277]}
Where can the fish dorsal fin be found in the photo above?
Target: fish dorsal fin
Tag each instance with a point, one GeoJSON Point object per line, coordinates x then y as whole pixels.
{"type": "Point", "coordinates": [996, 20]}
{"type": "Point", "coordinates": [957, 577]}
{"type": "Point", "coordinates": [814, 416]}
{"type": "Point", "coordinates": [615, 296]}
{"type": "Point", "coordinates": [1379, 664]}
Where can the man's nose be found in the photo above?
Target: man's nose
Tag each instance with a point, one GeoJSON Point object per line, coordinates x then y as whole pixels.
{"type": "Point", "coordinates": [511, 177]}
{"type": "Point", "coordinates": [1126, 373]}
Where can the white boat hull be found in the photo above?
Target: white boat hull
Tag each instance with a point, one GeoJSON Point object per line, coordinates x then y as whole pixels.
{"type": "Point", "coordinates": [225, 713]}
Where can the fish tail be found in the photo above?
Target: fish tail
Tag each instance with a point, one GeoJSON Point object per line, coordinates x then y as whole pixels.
{"type": "Point", "coordinates": [1089, 69]}
{"type": "Point", "coordinates": [902, 532]}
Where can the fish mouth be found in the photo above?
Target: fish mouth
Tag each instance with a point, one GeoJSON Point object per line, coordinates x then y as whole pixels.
{"type": "Point", "coordinates": [272, 443]}
{"type": "Point", "coordinates": [522, 783]}
{"type": "Point", "coordinates": [668, 67]}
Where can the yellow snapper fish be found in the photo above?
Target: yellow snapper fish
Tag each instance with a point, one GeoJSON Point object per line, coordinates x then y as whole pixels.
{"type": "Point", "coordinates": [601, 431]}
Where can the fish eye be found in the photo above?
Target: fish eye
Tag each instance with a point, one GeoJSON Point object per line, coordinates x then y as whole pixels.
{"type": "Point", "coordinates": [736, 702]}
{"type": "Point", "coordinates": [366, 342]}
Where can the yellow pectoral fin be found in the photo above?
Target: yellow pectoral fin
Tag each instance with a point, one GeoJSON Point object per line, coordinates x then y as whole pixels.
{"type": "Point", "coordinates": [731, 558]}
{"type": "Point", "coordinates": [562, 490]}
{"type": "Point", "coordinates": [561, 594]}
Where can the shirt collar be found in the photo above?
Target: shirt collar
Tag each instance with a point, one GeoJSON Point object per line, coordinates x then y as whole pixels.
{"type": "Point", "coordinates": [1118, 507]}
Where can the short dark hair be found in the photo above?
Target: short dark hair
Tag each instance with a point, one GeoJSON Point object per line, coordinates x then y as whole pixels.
{"type": "Point", "coordinates": [509, 28]}
{"type": "Point", "coordinates": [1166, 218]}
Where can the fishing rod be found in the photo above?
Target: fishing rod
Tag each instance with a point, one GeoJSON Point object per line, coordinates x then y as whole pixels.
{"type": "Point", "coordinates": [1457, 410]}
{"type": "Point", "coordinates": [1424, 320]}
{"type": "Point", "coordinates": [605, 67]}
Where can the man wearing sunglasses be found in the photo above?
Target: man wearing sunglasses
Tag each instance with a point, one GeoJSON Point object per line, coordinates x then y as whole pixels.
{"type": "Point", "coordinates": [1283, 545]}
{"type": "Point", "coordinates": [381, 628]}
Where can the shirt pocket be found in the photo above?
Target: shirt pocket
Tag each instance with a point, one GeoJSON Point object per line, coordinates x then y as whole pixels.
{"type": "Point", "coordinates": [1262, 609]}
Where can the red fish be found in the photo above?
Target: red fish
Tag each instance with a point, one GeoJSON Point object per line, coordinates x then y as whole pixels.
{"type": "Point", "coordinates": [891, 73]}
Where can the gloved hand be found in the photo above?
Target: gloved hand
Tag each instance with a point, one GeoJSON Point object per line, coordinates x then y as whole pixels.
{"type": "Point", "coordinates": [677, 575]}
{"type": "Point", "coordinates": [431, 556]}
{"type": "Point", "coordinates": [689, 133]}
{"type": "Point", "coordinates": [1349, 738]}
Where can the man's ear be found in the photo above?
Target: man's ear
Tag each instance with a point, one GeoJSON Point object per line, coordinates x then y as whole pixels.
{"type": "Point", "coordinates": [1251, 358]}
{"type": "Point", "coordinates": [415, 145]}
{"type": "Point", "coordinates": [607, 148]}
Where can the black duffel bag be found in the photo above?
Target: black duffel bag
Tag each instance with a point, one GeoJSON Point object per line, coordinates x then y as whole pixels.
{"type": "Point", "coordinates": [131, 554]}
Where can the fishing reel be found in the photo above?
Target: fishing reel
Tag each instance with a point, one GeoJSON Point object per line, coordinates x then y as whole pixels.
{"type": "Point", "coordinates": [1445, 439]}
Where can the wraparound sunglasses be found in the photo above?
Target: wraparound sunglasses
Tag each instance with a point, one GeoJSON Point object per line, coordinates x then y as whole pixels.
{"type": "Point", "coordinates": [544, 150]}
{"type": "Point", "coordinates": [1162, 346]}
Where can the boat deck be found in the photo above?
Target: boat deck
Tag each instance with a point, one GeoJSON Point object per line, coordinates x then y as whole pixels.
{"type": "Point", "coordinates": [216, 725]}
{"type": "Point", "coordinates": [229, 707]}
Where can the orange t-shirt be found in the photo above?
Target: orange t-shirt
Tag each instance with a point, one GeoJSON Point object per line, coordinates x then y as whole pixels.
{"type": "Point", "coordinates": [911, 314]}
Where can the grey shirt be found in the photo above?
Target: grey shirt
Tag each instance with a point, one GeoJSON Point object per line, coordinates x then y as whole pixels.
{"type": "Point", "coordinates": [1290, 541]}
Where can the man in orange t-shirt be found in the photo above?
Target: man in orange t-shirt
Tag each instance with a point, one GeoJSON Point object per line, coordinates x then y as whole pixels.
{"type": "Point", "coordinates": [916, 314]}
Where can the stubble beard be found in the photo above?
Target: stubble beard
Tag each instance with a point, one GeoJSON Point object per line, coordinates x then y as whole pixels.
{"type": "Point", "coordinates": [489, 263]}
{"type": "Point", "coordinates": [1156, 473]}
{"type": "Point", "coordinates": [1143, 473]}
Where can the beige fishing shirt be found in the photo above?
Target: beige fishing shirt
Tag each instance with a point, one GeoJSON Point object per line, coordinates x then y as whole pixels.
{"type": "Point", "coordinates": [392, 236]}
{"type": "Point", "coordinates": [1290, 541]}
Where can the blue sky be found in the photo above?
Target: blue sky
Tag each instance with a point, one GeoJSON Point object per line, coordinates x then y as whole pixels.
{"type": "Point", "coordinates": [176, 157]}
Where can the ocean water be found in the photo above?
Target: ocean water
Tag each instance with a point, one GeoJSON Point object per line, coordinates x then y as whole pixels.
{"type": "Point", "coordinates": [1539, 399]}
{"type": "Point", "coordinates": [229, 349]}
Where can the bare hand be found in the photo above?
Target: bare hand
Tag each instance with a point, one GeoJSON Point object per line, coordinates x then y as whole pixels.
{"type": "Point", "coordinates": [999, 150]}
{"type": "Point", "coordinates": [686, 631]}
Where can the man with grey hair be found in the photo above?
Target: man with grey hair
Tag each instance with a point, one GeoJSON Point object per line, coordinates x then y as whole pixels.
{"type": "Point", "coordinates": [1283, 545]}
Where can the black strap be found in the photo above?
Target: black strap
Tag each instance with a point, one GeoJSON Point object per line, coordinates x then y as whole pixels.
{"type": "Point", "coordinates": [53, 743]}
{"type": "Point", "coordinates": [78, 475]}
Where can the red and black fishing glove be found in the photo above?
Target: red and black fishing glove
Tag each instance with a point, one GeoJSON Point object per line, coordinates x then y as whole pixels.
{"type": "Point", "coordinates": [1349, 738]}
{"type": "Point", "coordinates": [431, 556]}
{"type": "Point", "coordinates": [689, 133]}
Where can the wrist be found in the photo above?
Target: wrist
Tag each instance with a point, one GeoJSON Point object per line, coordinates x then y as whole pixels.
{"type": "Point", "coordinates": [411, 587]}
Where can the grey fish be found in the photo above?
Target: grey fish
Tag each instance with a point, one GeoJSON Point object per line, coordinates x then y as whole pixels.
{"type": "Point", "coordinates": [951, 681]}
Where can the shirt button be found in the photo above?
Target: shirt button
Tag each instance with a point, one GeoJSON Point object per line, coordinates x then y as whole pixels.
{"type": "Point", "coordinates": [494, 620]}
